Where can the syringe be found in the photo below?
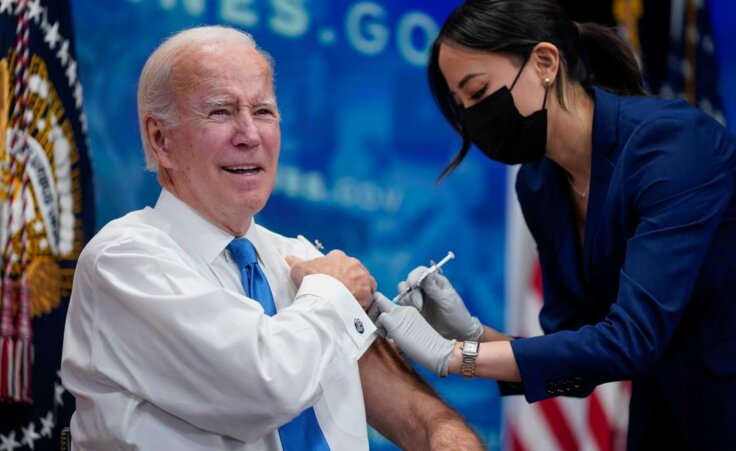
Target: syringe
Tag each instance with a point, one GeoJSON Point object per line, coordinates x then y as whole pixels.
{"type": "Point", "coordinates": [432, 269]}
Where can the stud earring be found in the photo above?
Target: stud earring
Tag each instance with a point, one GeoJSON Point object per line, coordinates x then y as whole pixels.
{"type": "Point", "coordinates": [547, 82]}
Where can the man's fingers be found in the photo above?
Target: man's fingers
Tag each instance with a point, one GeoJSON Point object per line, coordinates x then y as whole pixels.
{"type": "Point", "coordinates": [291, 260]}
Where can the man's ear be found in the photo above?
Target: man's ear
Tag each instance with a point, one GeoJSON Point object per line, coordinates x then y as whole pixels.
{"type": "Point", "coordinates": [158, 142]}
{"type": "Point", "coordinates": [545, 59]}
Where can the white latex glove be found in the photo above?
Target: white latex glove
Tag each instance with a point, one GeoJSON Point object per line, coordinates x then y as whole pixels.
{"type": "Point", "coordinates": [414, 335]}
{"type": "Point", "coordinates": [441, 306]}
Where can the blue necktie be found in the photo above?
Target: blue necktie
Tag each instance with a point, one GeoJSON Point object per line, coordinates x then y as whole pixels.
{"type": "Point", "coordinates": [303, 432]}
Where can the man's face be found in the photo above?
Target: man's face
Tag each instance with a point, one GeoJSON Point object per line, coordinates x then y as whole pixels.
{"type": "Point", "coordinates": [221, 155]}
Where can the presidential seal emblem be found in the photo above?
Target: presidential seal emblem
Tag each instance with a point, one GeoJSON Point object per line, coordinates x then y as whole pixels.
{"type": "Point", "coordinates": [37, 186]}
{"type": "Point", "coordinates": [45, 206]}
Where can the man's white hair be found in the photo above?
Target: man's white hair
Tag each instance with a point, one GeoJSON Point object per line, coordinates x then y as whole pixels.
{"type": "Point", "coordinates": [155, 93]}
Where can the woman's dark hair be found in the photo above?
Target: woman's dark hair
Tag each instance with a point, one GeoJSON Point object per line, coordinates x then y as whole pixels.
{"type": "Point", "coordinates": [591, 54]}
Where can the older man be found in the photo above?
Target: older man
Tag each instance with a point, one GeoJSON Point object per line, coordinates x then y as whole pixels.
{"type": "Point", "coordinates": [187, 330]}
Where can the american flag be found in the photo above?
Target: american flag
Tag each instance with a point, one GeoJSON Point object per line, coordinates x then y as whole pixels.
{"type": "Point", "coordinates": [691, 62]}
{"type": "Point", "coordinates": [688, 69]}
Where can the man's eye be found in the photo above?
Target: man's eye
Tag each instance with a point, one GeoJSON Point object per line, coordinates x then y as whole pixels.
{"type": "Point", "coordinates": [220, 112]}
{"type": "Point", "coordinates": [477, 95]}
{"type": "Point", "coordinates": [265, 111]}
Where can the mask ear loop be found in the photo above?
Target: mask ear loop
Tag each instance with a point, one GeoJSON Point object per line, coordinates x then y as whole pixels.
{"type": "Point", "coordinates": [519, 73]}
{"type": "Point", "coordinates": [547, 82]}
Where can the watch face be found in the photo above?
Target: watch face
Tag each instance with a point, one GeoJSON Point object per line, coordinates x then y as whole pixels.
{"type": "Point", "coordinates": [470, 347]}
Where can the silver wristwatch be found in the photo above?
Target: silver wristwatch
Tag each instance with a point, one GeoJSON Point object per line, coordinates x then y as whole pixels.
{"type": "Point", "coordinates": [470, 352]}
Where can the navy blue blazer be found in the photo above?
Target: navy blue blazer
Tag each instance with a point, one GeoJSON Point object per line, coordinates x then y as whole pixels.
{"type": "Point", "coordinates": [651, 295]}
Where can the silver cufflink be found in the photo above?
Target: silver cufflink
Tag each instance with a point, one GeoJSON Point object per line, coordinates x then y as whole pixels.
{"type": "Point", "coordinates": [358, 325]}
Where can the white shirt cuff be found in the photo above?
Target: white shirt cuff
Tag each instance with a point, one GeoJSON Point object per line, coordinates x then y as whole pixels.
{"type": "Point", "coordinates": [358, 325]}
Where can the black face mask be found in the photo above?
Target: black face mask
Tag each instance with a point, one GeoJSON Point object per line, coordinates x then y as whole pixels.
{"type": "Point", "coordinates": [497, 128]}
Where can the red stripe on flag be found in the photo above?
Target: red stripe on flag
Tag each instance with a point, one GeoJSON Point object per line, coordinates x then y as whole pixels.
{"type": "Point", "coordinates": [599, 425]}
{"type": "Point", "coordinates": [515, 443]}
{"type": "Point", "coordinates": [537, 280]}
{"type": "Point", "coordinates": [558, 424]}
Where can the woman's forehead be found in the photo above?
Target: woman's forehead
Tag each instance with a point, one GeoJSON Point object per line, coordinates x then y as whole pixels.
{"type": "Point", "coordinates": [457, 63]}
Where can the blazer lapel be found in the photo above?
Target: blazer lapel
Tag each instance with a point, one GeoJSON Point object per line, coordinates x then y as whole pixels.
{"type": "Point", "coordinates": [605, 131]}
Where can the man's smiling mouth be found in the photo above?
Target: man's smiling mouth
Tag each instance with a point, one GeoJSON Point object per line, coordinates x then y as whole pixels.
{"type": "Point", "coordinates": [242, 169]}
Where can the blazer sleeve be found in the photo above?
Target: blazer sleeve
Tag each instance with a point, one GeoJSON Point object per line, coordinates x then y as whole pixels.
{"type": "Point", "coordinates": [680, 186]}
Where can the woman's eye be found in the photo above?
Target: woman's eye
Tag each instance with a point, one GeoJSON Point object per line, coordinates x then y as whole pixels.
{"type": "Point", "coordinates": [477, 95]}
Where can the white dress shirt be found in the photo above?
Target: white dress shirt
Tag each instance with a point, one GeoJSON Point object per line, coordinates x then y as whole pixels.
{"type": "Point", "coordinates": [163, 351]}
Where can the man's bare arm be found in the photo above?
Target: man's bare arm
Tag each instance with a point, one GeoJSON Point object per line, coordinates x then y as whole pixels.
{"type": "Point", "coordinates": [406, 410]}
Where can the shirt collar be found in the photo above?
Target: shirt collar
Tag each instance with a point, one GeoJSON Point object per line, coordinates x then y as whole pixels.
{"type": "Point", "coordinates": [192, 231]}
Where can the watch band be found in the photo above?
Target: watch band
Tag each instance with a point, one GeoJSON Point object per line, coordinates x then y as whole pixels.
{"type": "Point", "coordinates": [470, 353]}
